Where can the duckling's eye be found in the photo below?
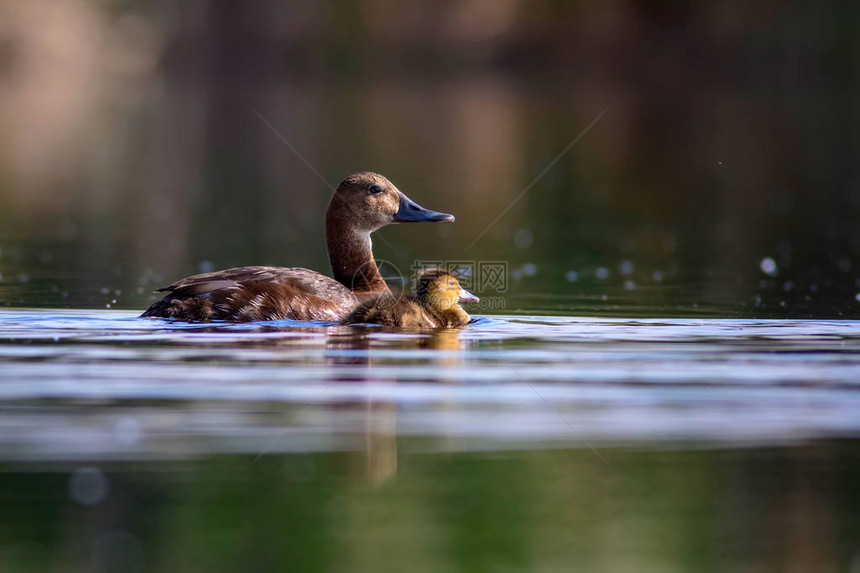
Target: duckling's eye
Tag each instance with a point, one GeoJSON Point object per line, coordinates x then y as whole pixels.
{"type": "Point", "coordinates": [375, 189]}
{"type": "Point", "coordinates": [451, 283]}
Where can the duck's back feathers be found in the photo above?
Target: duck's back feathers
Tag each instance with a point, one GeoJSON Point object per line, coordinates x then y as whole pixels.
{"type": "Point", "coordinates": [255, 293]}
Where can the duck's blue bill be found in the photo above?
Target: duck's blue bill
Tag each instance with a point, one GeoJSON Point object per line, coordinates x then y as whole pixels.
{"type": "Point", "coordinates": [412, 212]}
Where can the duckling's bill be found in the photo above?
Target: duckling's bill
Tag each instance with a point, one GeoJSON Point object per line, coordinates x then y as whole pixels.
{"type": "Point", "coordinates": [466, 296]}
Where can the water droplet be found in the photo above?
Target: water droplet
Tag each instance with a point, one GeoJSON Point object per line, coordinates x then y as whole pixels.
{"type": "Point", "coordinates": [529, 269]}
{"type": "Point", "coordinates": [657, 276]}
{"type": "Point", "coordinates": [626, 267]}
{"type": "Point", "coordinates": [768, 266]}
{"type": "Point", "coordinates": [88, 485]}
{"type": "Point", "coordinates": [523, 239]}
{"type": "Point", "coordinates": [572, 276]}
{"type": "Point", "coordinates": [604, 297]}
{"type": "Point", "coordinates": [857, 297]}
{"type": "Point", "coordinates": [629, 285]}
{"type": "Point", "coordinates": [127, 431]}
{"type": "Point", "coordinates": [24, 277]}
{"type": "Point", "coordinates": [601, 273]}
{"type": "Point", "coordinates": [206, 266]}
{"type": "Point", "coordinates": [104, 290]}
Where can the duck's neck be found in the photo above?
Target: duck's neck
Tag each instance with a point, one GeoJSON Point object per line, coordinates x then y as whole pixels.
{"type": "Point", "coordinates": [352, 263]}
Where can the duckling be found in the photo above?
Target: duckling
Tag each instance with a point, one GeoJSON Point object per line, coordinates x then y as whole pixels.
{"type": "Point", "coordinates": [361, 204]}
{"type": "Point", "coordinates": [436, 304]}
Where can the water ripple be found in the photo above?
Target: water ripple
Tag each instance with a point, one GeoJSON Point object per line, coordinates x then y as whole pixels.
{"type": "Point", "coordinates": [69, 379]}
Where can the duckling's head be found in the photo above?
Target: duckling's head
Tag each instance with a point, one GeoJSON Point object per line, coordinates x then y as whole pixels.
{"type": "Point", "coordinates": [441, 290]}
{"type": "Point", "coordinates": [367, 201]}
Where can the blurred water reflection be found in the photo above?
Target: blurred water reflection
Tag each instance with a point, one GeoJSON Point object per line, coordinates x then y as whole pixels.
{"type": "Point", "coordinates": [108, 385]}
{"type": "Point", "coordinates": [754, 509]}
{"type": "Point", "coordinates": [519, 442]}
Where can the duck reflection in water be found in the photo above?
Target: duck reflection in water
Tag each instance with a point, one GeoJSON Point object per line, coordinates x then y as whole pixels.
{"type": "Point", "coordinates": [355, 354]}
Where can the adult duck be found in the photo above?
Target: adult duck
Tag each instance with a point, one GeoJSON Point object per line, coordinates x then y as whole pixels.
{"type": "Point", "coordinates": [436, 304]}
{"type": "Point", "coordinates": [361, 204]}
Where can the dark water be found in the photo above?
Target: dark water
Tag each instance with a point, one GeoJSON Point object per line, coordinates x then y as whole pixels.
{"type": "Point", "coordinates": [757, 509]}
{"type": "Point", "coordinates": [518, 443]}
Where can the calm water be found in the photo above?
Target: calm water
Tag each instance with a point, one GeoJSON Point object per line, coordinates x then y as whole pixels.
{"type": "Point", "coordinates": [518, 443]}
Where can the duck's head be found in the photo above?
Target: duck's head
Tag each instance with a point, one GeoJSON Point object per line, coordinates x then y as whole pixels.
{"type": "Point", "coordinates": [367, 201]}
{"type": "Point", "coordinates": [440, 289]}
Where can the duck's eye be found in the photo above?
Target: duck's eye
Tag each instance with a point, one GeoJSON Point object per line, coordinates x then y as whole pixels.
{"type": "Point", "coordinates": [375, 189]}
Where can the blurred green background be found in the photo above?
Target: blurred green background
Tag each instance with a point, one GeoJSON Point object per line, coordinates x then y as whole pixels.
{"type": "Point", "coordinates": [721, 180]}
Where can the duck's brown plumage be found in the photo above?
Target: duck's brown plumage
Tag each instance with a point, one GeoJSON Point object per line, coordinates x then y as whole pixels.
{"type": "Point", "coordinates": [361, 204]}
{"type": "Point", "coordinates": [434, 305]}
{"type": "Point", "coordinates": [255, 293]}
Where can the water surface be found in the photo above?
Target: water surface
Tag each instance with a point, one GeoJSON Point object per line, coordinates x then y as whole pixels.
{"type": "Point", "coordinates": [517, 443]}
{"type": "Point", "coordinates": [503, 382]}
